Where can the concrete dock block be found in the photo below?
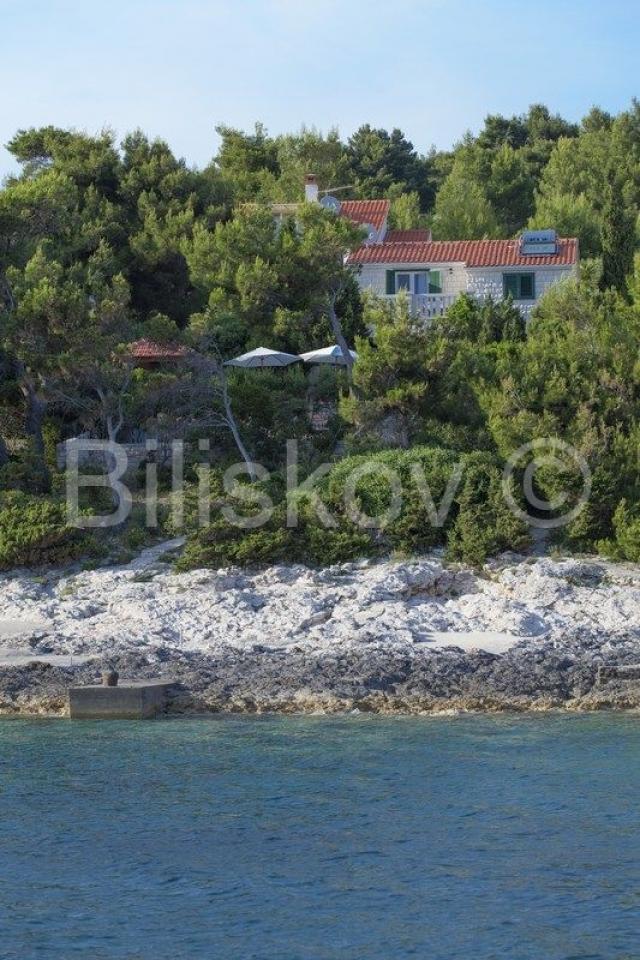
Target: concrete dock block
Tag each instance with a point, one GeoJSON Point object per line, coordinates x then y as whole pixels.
{"type": "Point", "coordinates": [128, 701]}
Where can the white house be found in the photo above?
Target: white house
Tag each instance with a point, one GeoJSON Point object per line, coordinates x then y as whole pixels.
{"type": "Point", "coordinates": [434, 272]}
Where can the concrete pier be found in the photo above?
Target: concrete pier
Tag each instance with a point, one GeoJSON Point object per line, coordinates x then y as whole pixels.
{"type": "Point", "coordinates": [136, 700]}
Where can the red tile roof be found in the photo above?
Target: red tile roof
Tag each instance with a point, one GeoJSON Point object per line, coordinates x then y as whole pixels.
{"type": "Point", "coordinates": [408, 236]}
{"type": "Point", "coordinates": [374, 212]}
{"type": "Point", "coordinates": [149, 350]}
{"type": "Point", "coordinates": [473, 253]}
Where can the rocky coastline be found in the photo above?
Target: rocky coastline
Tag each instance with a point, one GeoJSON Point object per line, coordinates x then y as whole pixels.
{"type": "Point", "coordinates": [394, 637]}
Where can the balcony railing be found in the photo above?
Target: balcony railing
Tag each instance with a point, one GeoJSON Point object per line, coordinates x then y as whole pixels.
{"type": "Point", "coordinates": [428, 305]}
{"type": "Point", "coordinates": [525, 309]}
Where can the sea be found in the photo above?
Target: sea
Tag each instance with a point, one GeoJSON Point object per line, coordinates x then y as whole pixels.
{"type": "Point", "coordinates": [315, 838]}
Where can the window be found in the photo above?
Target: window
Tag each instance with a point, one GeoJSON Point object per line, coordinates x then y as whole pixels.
{"type": "Point", "coordinates": [520, 286]}
{"type": "Point", "coordinates": [419, 282]}
{"type": "Point", "coordinates": [412, 282]}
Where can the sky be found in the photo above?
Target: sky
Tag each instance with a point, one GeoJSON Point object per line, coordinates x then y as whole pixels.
{"type": "Point", "coordinates": [434, 68]}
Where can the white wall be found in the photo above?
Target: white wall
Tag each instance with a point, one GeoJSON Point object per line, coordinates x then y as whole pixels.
{"type": "Point", "coordinates": [456, 278]}
{"type": "Point", "coordinates": [486, 282]}
{"type": "Point", "coordinates": [373, 276]}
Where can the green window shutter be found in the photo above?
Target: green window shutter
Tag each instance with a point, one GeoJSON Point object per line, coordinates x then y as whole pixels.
{"type": "Point", "coordinates": [435, 281]}
{"type": "Point", "coordinates": [511, 285]}
{"type": "Point", "coordinates": [391, 281]}
{"type": "Point", "coordinates": [527, 286]}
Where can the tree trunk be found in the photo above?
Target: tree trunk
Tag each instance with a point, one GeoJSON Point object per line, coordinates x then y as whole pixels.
{"type": "Point", "coordinates": [6, 293]}
{"type": "Point", "coordinates": [4, 453]}
{"type": "Point", "coordinates": [336, 326]}
{"type": "Point", "coordinates": [36, 409]}
{"type": "Point", "coordinates": [113, 422]}
{"type": "Point", "coordinates": [113, 428]}
{"type": "Point", "coordinates": [34, 417]}
{"type": "Point", "coordinates": [233, 426]}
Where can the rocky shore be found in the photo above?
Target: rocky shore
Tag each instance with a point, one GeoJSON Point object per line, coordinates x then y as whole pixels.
{"type": "Point", "coordinates": [390, 637]}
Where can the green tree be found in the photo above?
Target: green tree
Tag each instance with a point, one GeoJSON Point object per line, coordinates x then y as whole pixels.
{"type": "Point", "coordinates": [405, 212]}
{"type": "Point", "coordinates": [310, 152]}
{"type": "Point", "coordinates": [248, 162]}
{"type": "Point", "coordinates": [510, 189]}
{"type": "Point", "coordinates": [596, 119]}
{"type": "Point", "coordinates": [381, 160]}
{"type": "Point", "coordinates": [463, 210]}
{"type": "Point", "coordinates": [389, 379]}
{"type": "Point", "coordinates": [284, 284]}
{"type": "Point", "coordinates": [575, 377]}
{"type": "Point", "coordinates": [571, 216]}
{"type": "Point", "coordinates": [618, 238]}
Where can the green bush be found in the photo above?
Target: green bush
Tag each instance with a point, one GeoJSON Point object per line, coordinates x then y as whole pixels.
{"type": "Point", "coordinates": [136, 537]}
{"type": "Point", "coordinates": [324, 546]}
{"type": "Point", "coordinates": [477, 524]}
{"type": "Point", "coordinates": [626, 525]}
{"type": "Point", "coordinates": [223, 543]}
{"type": "Point", "coordinates": [26, 472]}
{"type": "Point", "coordinates": [484, 525]}
{"type": "Point", "coordinates": [34, 531]}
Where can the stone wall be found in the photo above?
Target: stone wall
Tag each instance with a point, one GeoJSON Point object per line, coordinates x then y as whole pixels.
{"type": "Point", "coordinates": [373, 276]}
{"type": "Point", "coordinates": [485, 282]}
{"type": "Point", "coordinates": [102, 459]}
{"type": "Point", "coordinates": [456, 279]}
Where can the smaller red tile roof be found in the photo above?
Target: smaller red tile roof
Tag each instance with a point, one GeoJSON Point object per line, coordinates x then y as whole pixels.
{"type": "Point", "coordinates": [407, 236]}
{"type": "Point", "coordinates": [149, 350]}
{"type": "Point", "coordinates": [473, 253]}
{"type": "Point", "coordinates": [374, 212]}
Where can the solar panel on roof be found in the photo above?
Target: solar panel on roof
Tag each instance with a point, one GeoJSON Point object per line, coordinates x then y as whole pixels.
{"type": "Point", "coordinates": [539, 243]}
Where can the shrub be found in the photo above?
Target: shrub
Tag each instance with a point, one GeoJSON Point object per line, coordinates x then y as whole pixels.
{"type": "Point", "coordinates": [477, 523]}
{"type": "Point", "coordinates": [136, 537]}
{"type": "Point", "coordinates": [484, 524]}
{"type": "Point", "coordinates": [315, 543]}
{"type": "Point", "coordinates": [26, 472]}
{"type": "Point", "coordinates": [224, 544]}
{"type": "Point", "coordinates": [34, 531]}
{"type": "Point", "coordinates": [626, 525]}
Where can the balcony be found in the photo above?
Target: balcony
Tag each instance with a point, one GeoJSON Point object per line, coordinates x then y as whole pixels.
{"type": "Point", "coordinates": [426, 306]}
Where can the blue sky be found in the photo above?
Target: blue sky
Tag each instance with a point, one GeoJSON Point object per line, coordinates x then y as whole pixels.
{"type": "Point", "coordinates": [175, 68]}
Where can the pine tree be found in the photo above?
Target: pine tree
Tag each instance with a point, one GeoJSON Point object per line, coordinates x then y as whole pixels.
{"type": "Point", "coordinates": [618, 238]}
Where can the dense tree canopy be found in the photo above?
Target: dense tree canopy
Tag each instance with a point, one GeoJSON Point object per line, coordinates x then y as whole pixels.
{"type": "Point", "coordinates": [102, 243]}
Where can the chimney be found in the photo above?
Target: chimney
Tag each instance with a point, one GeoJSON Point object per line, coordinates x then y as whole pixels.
{"type": "Point", "coordinates": [311, 192]}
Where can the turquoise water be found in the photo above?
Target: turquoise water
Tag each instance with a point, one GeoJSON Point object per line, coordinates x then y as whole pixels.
{"type": "Point", "coordinates": [317, 839]}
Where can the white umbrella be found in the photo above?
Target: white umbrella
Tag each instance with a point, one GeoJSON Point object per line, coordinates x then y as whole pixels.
{"type": "Point", "coordinates": [263, 357]}
{"type": "Point", "coordinates": [332, 355]}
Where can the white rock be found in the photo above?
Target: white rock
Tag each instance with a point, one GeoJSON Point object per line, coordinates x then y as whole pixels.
{"type": "Point", "coordinates": [393, 604]}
